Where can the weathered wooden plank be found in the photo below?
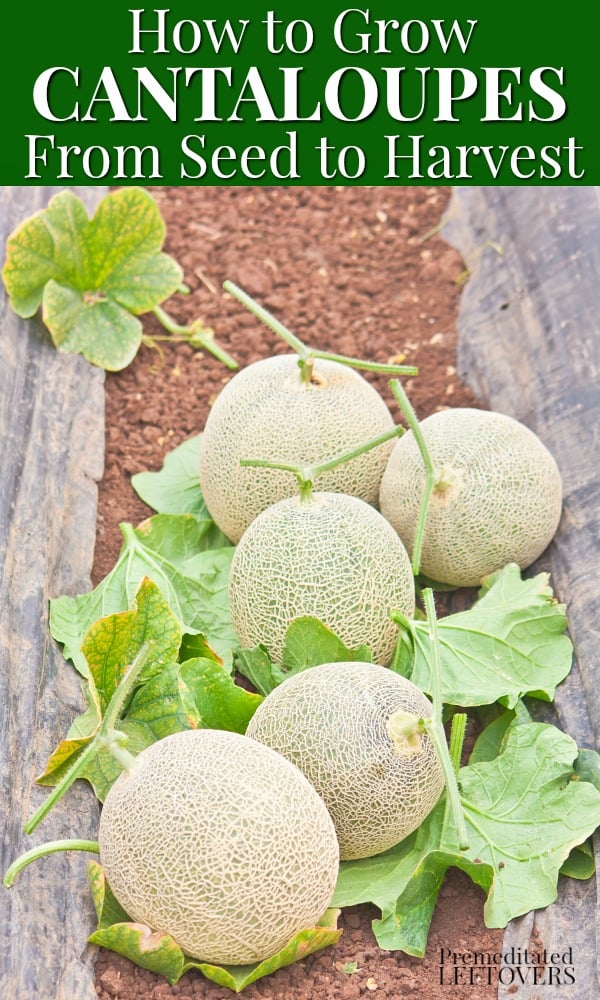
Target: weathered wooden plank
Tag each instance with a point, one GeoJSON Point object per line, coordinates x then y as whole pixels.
{"type": "Point", "coordinates": [529, 346]}
{"type": "Point", "coordinates": [52, 440]}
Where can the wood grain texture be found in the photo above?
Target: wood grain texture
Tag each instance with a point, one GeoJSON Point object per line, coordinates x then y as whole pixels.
{"type": "Point", "coordinates": [529, 346]}
{"type": "Point", "coordinates": [52, 441]}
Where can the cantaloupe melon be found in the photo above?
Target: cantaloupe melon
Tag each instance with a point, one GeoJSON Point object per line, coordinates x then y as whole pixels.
{"type": "Point", "coordinates": [267, 411]}
{"type": "Point", "coordinates": [334, 722]}
{"type": "Point", "coordinates": [219, 842]}
{"type": "Point", "coordinates": [330, 556]}
{"type": "Point", "coordinates": [497, 498]}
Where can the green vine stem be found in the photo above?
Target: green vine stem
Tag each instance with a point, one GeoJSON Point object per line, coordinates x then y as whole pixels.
{"type": "Point", "coordinates": [306, 354]}
{"type": "Point", "coordinates": [268, 319]}
{"type": "Point", "coordinates": [435, 727]}
{"type": "Point", "coordinates": [195, 334]}
{"type": "Point", "coordinates": [457, 738]}
{"type": "Point", "coordinates": [306, 474]}
{"type": "Point", "coordinates": [430, 473]}
{"type": "Point", "coordinates": [51, 847]}
{"type": "Point", "coordinates": [106, 736]}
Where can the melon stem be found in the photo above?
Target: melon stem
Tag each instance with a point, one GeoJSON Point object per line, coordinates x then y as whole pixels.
{"type": "Point", "coordinates": [307, 354]}
{"type": "Point", "coordinates": [195, 334]}
{"type": "Point", "coordinates": [104, 735]}
{"type": "Point", "coordinates": [116, 743]}
{"type": "Point", "coordinates": [306, 474]}
{"type": "Point", "coordinates": [430, 473]}
{"type": "Point", "coordinates": [51, 847]}
{"type": "Point", "coordinates": [405, 730]}
{"type": "Point", "coordinates": [435, 726]}
{"type": "Point", "coordinates": [268, 319]}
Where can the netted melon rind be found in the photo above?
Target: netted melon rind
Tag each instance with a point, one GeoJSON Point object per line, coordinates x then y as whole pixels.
{"type": "Point", "coordinates": [221, 843]}
{"type": "Point", "coordinates": [502, 504]}
{"type": "Point", "coordinates": [334, 558]}
{"type": "Point", "coordinates": [331, 721]}
{"type": "Point", "coordinates": [266, 411]}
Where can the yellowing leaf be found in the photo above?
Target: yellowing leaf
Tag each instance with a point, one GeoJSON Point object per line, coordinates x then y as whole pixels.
{"type": "Point", "coordinates": [93, 276]}
{"type": "Point", "coordinates": [158, 952]}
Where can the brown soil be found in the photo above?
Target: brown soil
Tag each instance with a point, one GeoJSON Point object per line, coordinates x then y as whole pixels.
{"type": "Point", "coordinates": [348, 270]}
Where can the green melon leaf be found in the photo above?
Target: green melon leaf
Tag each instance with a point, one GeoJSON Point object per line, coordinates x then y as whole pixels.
{"type": "Point", "coordinates": [93, 276]}
{"type": "Point", "coordinates": [175, 489]}
{"type": "Point", "coordinates": [490, 742]}
{"type": "Point", "coordinates": [161, 707]}
{"type": "Point", "coordinates": [168, 549]}
{"type": "Point", "coordinates": [255, 665]}
{"type": "Point", "coordinates": [308, 643]}
{"type": "Point", "coordinates": [100, 329]}
{"type": "Point", "coordinates": [238, 977]}
{"type": "Point", "coordinates": [196, 645]}
{"type": "Point", "coordinates": [221, 703]}
{"type": "Point", "coordinates": [113, 642]}
{"type": "Point", "coordinates": [587, 767]}
{"type": "Point", "coordinates": [52, 244]}
{"type": "Point", "coordinates": [108, 909]}
{"type": "Point", "coordinates": [524, 816]}
{"type": "Point", "coordinates": [159, 953]}
{"type": "Point", "coordinates": [581, 863]}
{"type": "Point", "coordinates": [161, 703]}
{"type": "Point", "coordinates": [509, 644]}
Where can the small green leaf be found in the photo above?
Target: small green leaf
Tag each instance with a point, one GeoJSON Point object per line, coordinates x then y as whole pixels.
{"type": "Point", "coordinates": [159, 953]}
{"type": "Point", "coordinates": [52, 244]}
{"type": "Point", "coordinates": [194, 646]}
{"type": "Point", "coordinates": [221, 703]}
{"type": "Point", "coordinates": [63, 758]}
{"type": "Point", "coordinates": [308, 643]}
{"type": "Point", "coordinates": [509, 644]}
{"type": "Point", "coordinates": [92, 276]}
{"type": "Point", "coordinates": [149, 949]}
{"type": "Point", "coordinates": [587, 767]}
{"type": "Point", "coordinates": [581, 863]}
{"type": "Point", "coordinates": [255, 665]}
{"type": "Point", "coordinates": [108, 909]}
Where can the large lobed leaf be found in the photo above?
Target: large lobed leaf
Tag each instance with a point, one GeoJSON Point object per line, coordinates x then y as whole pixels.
{"type": "Point", "coordinates": [92, 276]}
{"type": "Point", "coordinates": [171, 551]}
{"type": "Point", "coordinates": [170, 695]}
{"type": "Point", "coordinates": [524, 815]}
{"type": "Point", "coordinates": [509, 644]}
{"type": "Point", "coordinates": [161, 704]}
